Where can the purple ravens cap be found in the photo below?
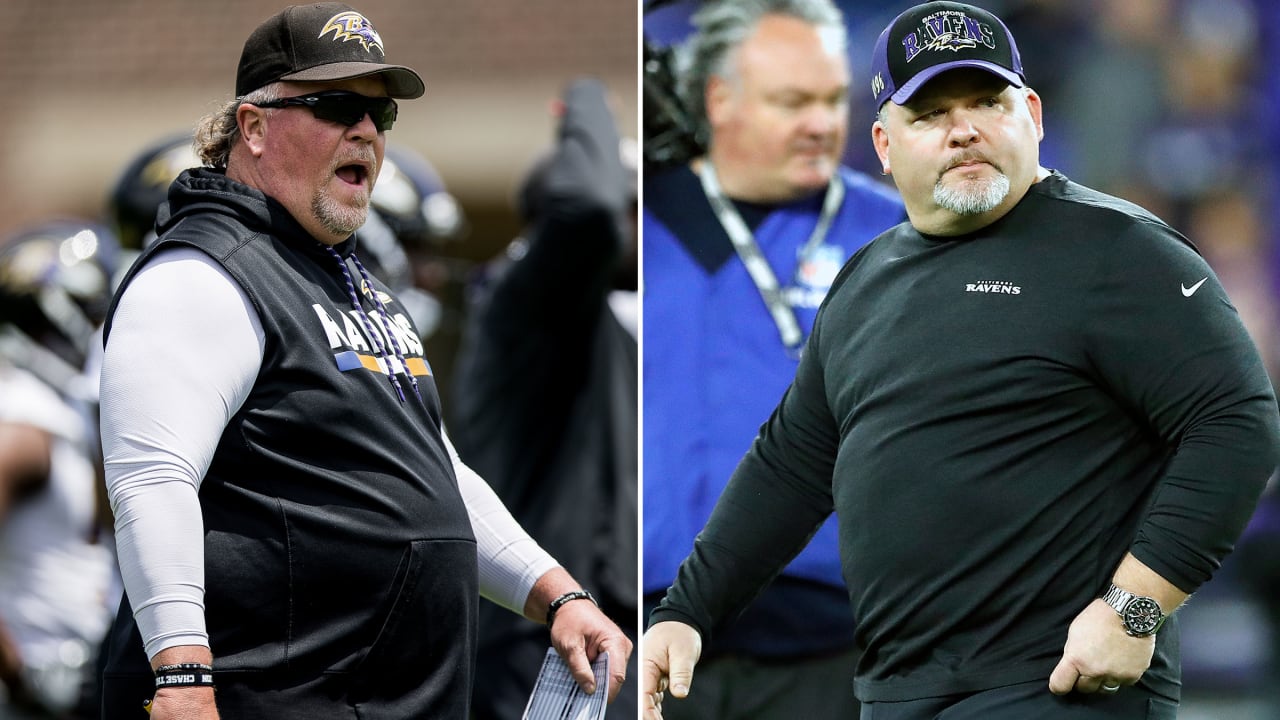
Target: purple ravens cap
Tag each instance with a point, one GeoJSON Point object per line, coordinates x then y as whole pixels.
{"type": "Point", "coordinates": [930, 39]}
{"type": "Point", "coordinates": [317, 43]}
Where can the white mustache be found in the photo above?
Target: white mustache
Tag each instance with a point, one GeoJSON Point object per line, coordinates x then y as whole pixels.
{"type": "Point", "coordinates": [968, 157]}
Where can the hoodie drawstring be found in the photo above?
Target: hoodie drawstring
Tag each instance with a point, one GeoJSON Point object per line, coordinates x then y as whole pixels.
{"type": "Point", "coordinates": [368, 324]}
{"type": "Point", "coordinates": [386, 319]}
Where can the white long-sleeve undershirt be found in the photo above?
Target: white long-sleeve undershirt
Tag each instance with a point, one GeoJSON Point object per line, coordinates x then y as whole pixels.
{"type": "Point", "coordinates": [186, 346]}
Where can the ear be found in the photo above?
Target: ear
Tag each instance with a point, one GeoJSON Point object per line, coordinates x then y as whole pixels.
{"type": "Point", "coordinates": [253, 127]}
{"type": "Point", "coordinates": [880, 139]}
{"type": "Point", "coordinates": [719, 100]}
{"type": "Point", "coordinates": [1036, 109]}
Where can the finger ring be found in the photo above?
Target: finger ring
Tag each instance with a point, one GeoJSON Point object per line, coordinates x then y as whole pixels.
{"type": "Point", "coordinates": [1109, 688]}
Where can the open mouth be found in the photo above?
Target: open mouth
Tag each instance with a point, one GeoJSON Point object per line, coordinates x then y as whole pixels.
{"type": "Point", "coordinates": [353, 174]}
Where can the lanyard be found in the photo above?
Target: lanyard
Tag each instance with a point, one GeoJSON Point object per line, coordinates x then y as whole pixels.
{"type": "Point", "coordinates": [749, 250]}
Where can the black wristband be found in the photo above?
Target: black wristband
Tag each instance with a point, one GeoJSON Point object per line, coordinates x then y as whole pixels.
{"type": "Point", "coordinates": [575, 595]}
{"type": "Point", "coordinates": [184, 675]}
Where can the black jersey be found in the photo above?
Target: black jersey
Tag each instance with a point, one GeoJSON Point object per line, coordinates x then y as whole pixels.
{"type": "Point", "coordinates": [996, 419]}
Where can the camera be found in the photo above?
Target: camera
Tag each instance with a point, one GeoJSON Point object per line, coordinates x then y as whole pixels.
{"type": "Point", "coordinates": [670, 134]}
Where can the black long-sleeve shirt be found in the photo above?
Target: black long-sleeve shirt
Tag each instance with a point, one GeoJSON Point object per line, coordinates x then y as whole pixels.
{"type": "Point", "coordinates": [996, 419]}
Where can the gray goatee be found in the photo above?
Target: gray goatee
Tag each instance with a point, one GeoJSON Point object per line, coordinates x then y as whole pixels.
{"type": "Point", "coordinates": [972, 197]}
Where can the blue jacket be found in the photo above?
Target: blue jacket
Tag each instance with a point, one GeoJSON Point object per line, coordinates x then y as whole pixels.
{"type": "Point", "coordinates": [714, 364]}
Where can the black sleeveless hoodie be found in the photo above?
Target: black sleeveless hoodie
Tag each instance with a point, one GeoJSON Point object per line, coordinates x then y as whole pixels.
{"type": "Point", "coordinates": [340, 564]}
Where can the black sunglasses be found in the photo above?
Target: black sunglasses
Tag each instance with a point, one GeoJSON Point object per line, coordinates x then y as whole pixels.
{"type": "Point", "coordinates": [343, 107]}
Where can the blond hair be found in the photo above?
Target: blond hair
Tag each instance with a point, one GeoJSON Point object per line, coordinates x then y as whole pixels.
{"type": "Point", "coordinates": [216, 132]}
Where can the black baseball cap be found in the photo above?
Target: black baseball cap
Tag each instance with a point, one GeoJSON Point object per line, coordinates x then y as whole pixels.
{"type": "Point", "coordinates": [929, 39]}
{"type": "Point", "coordinates": [316, 43]}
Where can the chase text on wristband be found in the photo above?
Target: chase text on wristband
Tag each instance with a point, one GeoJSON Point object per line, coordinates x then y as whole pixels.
{"type": "Point", "coordinates": [184, 675]}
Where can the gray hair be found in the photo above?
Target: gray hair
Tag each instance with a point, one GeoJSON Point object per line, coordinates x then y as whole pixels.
{"type": "Point", "coordinates": [723, 25]}
{"type": "Point", "coordinates": [217, 132]}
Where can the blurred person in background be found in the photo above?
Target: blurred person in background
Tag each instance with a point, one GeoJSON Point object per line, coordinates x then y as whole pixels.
{"type": "Point", "coordinates": [545, 386]}
{"type": "Point", "coordinates": [412, 202]}
{"type": "Point", "coordinates": [57, 579]}
{"type": "Point", "coordinates": [741, 244]}
{"type": "Point", "coordinates": [143, 186]}
{"type": "Point", "coordinates": [285, 493]}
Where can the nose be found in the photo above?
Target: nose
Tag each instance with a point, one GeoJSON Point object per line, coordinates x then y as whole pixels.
{"type": "Point", "coordinates": [963, 132]}
{"type": "Point", "coordinates": [820, 119]}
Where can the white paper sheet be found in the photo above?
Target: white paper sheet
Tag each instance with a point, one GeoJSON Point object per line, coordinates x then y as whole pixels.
{"type": "Point", "coordinates": [557, 697]}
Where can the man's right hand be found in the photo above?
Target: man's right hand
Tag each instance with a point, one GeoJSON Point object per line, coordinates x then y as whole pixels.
{"type": "Point", "coordinates": [671, 649]}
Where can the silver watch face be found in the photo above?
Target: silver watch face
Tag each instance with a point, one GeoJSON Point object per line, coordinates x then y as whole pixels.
{"type": "Point", "coordinates": [1142, 616]}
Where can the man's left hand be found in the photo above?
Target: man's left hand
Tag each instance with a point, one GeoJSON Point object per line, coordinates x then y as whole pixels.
{"type": "Point", "coordinates": [1099, 654]}
{"type": "Point", "coordinates": [580, 633]}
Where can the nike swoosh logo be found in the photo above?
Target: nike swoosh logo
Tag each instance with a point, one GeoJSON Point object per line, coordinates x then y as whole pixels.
{"type": "Point", "coordinates": [1189, 291]}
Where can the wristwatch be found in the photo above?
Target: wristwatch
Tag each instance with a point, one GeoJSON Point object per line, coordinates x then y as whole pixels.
{"type": "Point", "coordinates": [1141, 615]}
